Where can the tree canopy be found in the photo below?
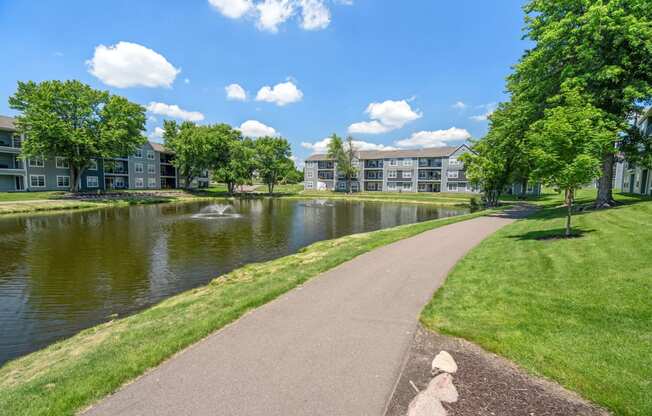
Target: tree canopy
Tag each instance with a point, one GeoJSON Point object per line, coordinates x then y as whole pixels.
{"type": "Point", "coordinates": [568, 144]}
{"type": "Point", "coordinates": [72, 120]}
{"type": "Point", "coordinates": [272, 160]}
{"type": "Point", "coordinates": [345, 155]}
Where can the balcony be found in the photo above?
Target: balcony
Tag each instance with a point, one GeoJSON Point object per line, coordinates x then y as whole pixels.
{"type": "Point", "coordinates": [116, 167]}
{"type": "Point", "coordinates": [167, 170]}
{"type": "Point", "coordinates": [429, 175]}
{"type": "Point", "coordinates": [373, 164]}
{"type": "Point", "coordinates": [430, 163]}
{"type": "Point", "coordinates": [329, 165]}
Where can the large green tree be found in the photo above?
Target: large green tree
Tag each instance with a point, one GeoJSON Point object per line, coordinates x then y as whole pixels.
{"type": "Point", "coordinates": [604, 46]}
{"type": "Point", "coordinates": [72, 120]}
{"type": "Point", "coordinates": [345, 155]}
{"type": "Point", "coordinates": [240, 165]}
{"type": "Point", "coordinates": [198, 149]}
{"type": "Point", "coordinates": [568, 144]}
{"type": "Point", "coordinates": [272, 160]}
{"type": "Point", "coordinates": [502, 157]}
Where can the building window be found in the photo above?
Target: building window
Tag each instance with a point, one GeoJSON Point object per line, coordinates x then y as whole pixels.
{"type": "Point", "coordinates": [139, 153]}
{"type": "Point", "coordinates": [151, 182]}
{"type": "Point", "coordinates": [407, 186]}
{"type": "Point", "coordinates": [391, 174]}
{"type": "Point", "coordinates": [452, 187]}
{"type": "Point", "coordinates": [452, 174]}
{"type": "Point", "coordinates": [391, 186]}
{"type": "Point", "coordinates": [92, 182]}
{"type": "Point", "coordinates": [37, 181]}
{"type": "Point", "coordinates": [62, 163]}
{"type": "Point", "coordinates": [151, 169]}
{"type": "Point", "coordinates": [407, 162]}
{"type": "Point", "coordinates": [119, 182]}
{"type": "Point", "coordinates": [310, 174]}
{"type": "Point", "coordinates": [138, 167]}
{"type": "Point", "coordinates": [63, 181]}
{"type": "Point", "coordinates": [92, 165]}
{"type": "Point", "coordinates": [341, 185]}
{"type": "Point", "coordinates": [393, 162]}
{"type": "Point", "coordinates": [453, 161]}
{"type": "Point", "coordinates": [309, 185]}
{"type": "Point", "coordinates": [407, 174]}
{"type": "Point", "coordinates": [140, 183]}
{"type": "Point", "coordinates": [150, 155]}
{"type": "Point", "coordinates": [36, 162]}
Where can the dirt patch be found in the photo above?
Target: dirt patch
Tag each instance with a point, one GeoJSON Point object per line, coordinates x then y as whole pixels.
{"type": "Point", "coordinates": [488, 385]}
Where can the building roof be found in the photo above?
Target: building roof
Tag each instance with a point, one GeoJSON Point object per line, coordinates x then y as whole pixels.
{"type": "Point", "coordinates": [384, 154]}
{"type": "Point", "coordinates": [159, 147]}
{"type": "Point", "coordinates": [7, 123]}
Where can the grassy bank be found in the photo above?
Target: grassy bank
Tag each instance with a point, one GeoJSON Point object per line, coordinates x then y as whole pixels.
{"type": "Point", "coordinates": [33, 202]}
{"type": "Point", "coordinates": [71, 374]}
{"type": "Point", "coordinates": [577, 311]}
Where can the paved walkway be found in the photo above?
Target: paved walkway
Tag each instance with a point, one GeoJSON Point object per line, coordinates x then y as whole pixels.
{"type": "Point", "coordinates": [334, 346]}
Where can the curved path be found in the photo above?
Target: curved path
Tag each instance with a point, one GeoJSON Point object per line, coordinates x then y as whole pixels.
{"type": "Point", "coordinates": [334, 346]}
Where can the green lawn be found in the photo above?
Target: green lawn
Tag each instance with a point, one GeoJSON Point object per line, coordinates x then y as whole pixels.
{"type": "Point", "coordinates": [28, 196]}
{"type": "Point", "coordinates": [577, 311]}
{"type": "Point", "coordinates": [71, 374]}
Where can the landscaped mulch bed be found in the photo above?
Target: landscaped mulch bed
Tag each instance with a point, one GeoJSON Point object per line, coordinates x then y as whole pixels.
{"type": "Point", "coordinates": [487, 384]}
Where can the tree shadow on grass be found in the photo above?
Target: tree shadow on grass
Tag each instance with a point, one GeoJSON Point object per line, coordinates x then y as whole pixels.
{"type": "Point", "coordinates": [552, 234]}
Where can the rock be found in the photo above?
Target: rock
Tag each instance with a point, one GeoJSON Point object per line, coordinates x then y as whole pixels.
{"type": "Point", "coordinates": [442, 388]}
{"type": "Point", "coordinates": [444, 362]}
{"type": "Point", "coordinates": [426, 405]}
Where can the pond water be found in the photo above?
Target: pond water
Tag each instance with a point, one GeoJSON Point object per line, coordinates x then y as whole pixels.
{"type": "Point", "coordinates": [62, 273]}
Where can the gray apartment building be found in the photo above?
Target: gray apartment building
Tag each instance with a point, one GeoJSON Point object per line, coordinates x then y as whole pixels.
{"type": "Point", "coordinates": [150, 167]}
{"type": "Point", "coordinates": [436, 169]}
{"type": "Point", "coordinates": [637, 179]}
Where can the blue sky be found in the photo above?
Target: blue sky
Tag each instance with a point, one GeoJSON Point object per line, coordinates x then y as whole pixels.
{"type": "Point", "coordinates": [388, 72]}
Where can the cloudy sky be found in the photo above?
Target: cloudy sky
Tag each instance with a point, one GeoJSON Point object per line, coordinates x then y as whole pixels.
{"type": "Point", "coordinates": [394, 74]}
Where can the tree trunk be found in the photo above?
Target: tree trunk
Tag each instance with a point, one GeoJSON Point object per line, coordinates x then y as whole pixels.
{"type": "Point", "coordinates": [188, 182]}
{"type": "Point", "coordinates": [524, 188]}
{"type": "Point", "coordinates": [605, 183]}
{"type": "Point", "coordinates": [270, 188]}
{"type": "Point", "coordinates": [569, 206]}
{"type": "Point", "coordinates": [75, 178]}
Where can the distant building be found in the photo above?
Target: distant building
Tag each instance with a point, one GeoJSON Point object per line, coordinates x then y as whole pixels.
{"type": "Point", "coordinates": [150, 167]}
{"type": "Point", "coordinates": [638, 179]}
{"type": "Point", "coordinates": [436, 169]}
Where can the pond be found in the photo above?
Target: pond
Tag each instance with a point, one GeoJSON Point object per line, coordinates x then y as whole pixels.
{"type": "Point", "coordinates": [65, 272]}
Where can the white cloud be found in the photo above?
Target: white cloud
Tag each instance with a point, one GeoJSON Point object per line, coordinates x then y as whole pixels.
{"type": "Point", "coordinates": [314, 15]}
{"type": "Point", "coordinates": [235, 92]}
{"type": "Point", "coordinates": [233, 9]}
{"type": "Point", "coordinates": [174, 111]}
{"type": "Point", "coordinates": [254, 128]}
{"type": "Point", "coordinates": [129, 64]}
{"type": "Point", "coordinates": [490, 108]}
{"type": "Point", "coordinates": [280, 94]}
{"type": "Point", "coordinates": [368, 127]}
{"type": "Point", "coordinates": [459, 105]}
{"type": "Point", "coordinates": [436, 138]}
{"type": "Point", "coordinates": [272, 13]}
{"type": "Point", "coordinates": [299, 163]}
{"type": "Point", "coordinates": [157, 134]}
{"type": "Point", "coordinates": [322, 145]}
{"type": "Point", "coordinates": [386, 116]}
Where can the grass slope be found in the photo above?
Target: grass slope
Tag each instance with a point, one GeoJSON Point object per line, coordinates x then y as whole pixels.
{"type": "Point", "coordinates": [577, 311]}
{"type": "Point", "coordinates": [71, 374]}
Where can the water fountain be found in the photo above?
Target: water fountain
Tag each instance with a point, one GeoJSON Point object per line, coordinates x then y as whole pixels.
{"type": "Point", "coordinates": [318, 203]}
{"type": "Point", "coordinates": [216, 211]}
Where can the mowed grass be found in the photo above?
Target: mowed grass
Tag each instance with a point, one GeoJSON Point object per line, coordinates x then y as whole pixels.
{"type": "Point", "coordinates": [69, 375]}
{"type": "Point", "coordinates": [577, 311]}
{"type": "Point", "coordinates": [28, 196]}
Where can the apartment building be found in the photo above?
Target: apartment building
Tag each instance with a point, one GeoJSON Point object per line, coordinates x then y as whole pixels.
{"type": "Point", "coordinates": [150, 167]}
{"type": "Point", "coordinates": [436, 169]}
{"type": "Point", "coordinates": [638, 179]}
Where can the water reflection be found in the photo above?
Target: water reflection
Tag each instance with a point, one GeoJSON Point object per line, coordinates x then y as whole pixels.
{"type": "Point", "coordinates": [62, 273]}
